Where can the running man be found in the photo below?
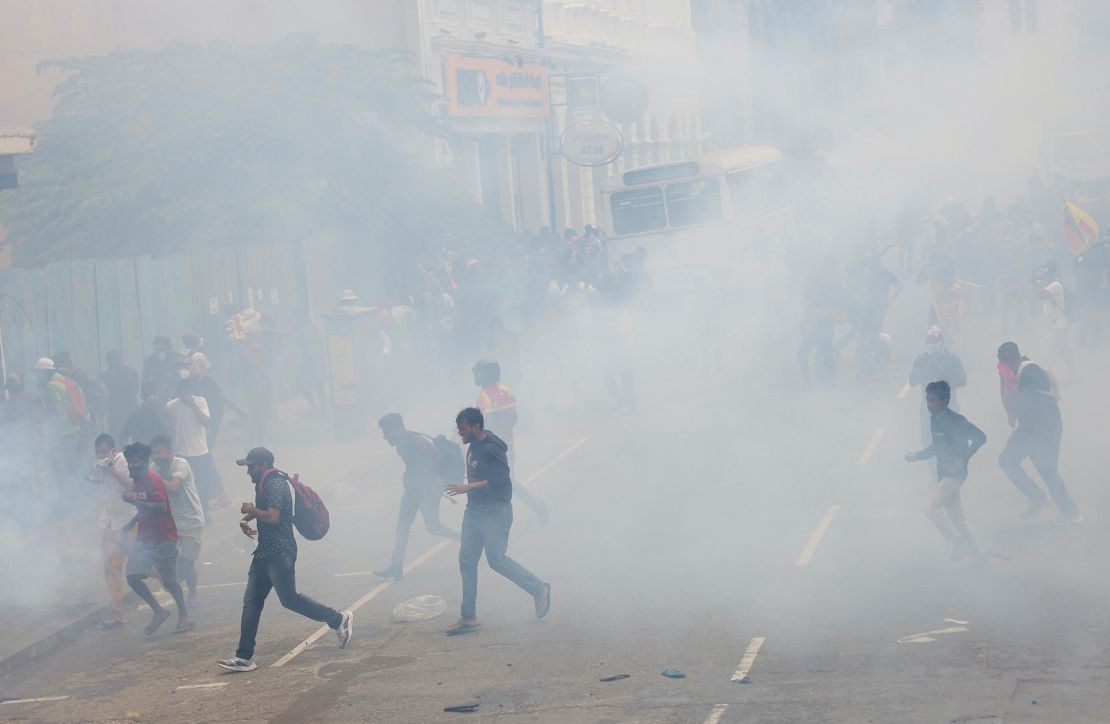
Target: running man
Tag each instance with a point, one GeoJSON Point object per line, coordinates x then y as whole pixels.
{"type": "Point", "coordinates": [955, 440]}
{"type": "Point", "coordinates": [1030, 394]}
{"type": "Point", "coordinates": [188, 513]}
{"type": "Point", "coordinates": [423, 488]}
{"type": "Point", "coordinates": [274, 561]}
{"type": "Point", "coordinates": [487, 520]}
{"type": "Point", "coordinates": [156, 544]}
{"type": "Point", "coordinates": [498, 405]}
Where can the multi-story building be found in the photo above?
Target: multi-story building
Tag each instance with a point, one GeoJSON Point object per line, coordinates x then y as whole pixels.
{"type": "Point", "coordinates": [502, 68]}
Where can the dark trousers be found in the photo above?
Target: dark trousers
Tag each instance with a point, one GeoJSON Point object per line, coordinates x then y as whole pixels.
{"type": "Point", "coordinates": [1043, 450]}
{"type": "Point", "coordinates": [425, 502]}
{"type": "Point", "coordinates": [486, 528]}
{"type": "Point", "coordinates": [278, 572]}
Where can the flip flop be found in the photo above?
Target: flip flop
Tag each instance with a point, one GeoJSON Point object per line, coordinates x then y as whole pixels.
{"type": "Point", "coordinates": [114, 623]}
{"type": "Point", "coordinates": [463, 628]}
{"type": "Point", "coordinates": [541, 610]}
{"type": "Point", "coordinates": [185, 627]}
{"type": "Point", "coordinates": [157, 622]}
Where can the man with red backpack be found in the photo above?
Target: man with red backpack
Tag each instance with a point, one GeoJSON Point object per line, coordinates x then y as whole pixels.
{"type": "Point", "coordinates": [66, 417]}
{"type": "Point", "coordinates": [427, 469]}
{"type": "Point", "coordinates": [275, 558]}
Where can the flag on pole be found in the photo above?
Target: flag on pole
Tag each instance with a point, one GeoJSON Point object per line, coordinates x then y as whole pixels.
{"type": "Point", "coordinates": [1080, 230]}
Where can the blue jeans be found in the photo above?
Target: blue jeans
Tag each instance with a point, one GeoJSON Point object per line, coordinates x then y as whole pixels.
{"type": "Point", "coordinates": [278, 572]}
{"type": "Point", "coordinates": [486, 528]}
{"type": "Point", "coordinates": [425, 502]}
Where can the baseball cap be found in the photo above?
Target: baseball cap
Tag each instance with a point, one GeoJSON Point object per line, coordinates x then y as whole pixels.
{"type": "Point", "coordinates": [258, 455]}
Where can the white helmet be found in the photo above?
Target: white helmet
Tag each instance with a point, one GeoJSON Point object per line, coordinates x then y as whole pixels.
{"type": "Point", "coordinates": [44, 363]}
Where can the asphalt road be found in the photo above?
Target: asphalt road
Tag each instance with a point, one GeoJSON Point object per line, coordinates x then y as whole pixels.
{"type": "Point", "coordinates": [737, 528]}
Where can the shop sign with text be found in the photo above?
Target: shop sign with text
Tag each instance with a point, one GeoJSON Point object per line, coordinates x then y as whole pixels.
{"type": "Point", "coordinates": [495, 88]}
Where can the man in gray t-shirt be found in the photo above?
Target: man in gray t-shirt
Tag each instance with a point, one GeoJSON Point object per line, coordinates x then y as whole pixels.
{"type": "Point", "coordinates": [185, 505]}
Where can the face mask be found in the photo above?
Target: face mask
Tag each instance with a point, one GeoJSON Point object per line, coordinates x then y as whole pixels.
{"type": "Point", "coordinates": [933, 347]}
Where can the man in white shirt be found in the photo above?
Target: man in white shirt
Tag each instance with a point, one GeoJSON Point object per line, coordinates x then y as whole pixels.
{"type": "Point", "coordinates": [111, 475]}
{"type": "Point", "coordinates": [1054, 307]}
{"type": "Point", "coordinates": [185, 505]}
{"type": "Point", "coordinates": [189, 417]}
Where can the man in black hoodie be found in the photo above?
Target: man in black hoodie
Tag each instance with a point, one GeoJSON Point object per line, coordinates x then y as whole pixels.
{"type": "Point", "coordinates": [488, 518]}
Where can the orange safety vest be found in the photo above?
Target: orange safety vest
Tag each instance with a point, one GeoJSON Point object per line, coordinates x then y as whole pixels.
{"type": "Point", "coordinates": [498, 405]}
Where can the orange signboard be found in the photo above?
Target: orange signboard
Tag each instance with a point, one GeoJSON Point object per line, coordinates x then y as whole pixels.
{"type": "Point", "coordinates": [494, 88]}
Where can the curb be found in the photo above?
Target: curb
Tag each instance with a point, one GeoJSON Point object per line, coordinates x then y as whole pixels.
{"type": "Point", "coordinates": [54, 640]}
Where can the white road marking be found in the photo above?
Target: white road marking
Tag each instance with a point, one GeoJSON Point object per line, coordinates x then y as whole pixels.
{"type": "Point", "coordinates": [166, 599]}
{"type": "Point", "coordinates": [818, 534]}
{"type": "Point", "coordinates": [748, 660]}
{"type": "Point", "coordinates": [354, 573]}
{"type": "Point", "coordinates": [427, 555]}
{"type": "Point", "coordinates": [715, 715]}
{"type": "Point", "coordinates": [374, 593]}
{"type": "Point", "coordinates": [927, 636]}
{"type": "Point", "coordinates": [559, 458]}
{"type": "Point", "coordinates": [870, 449]}
{"type": "Point", "coordinates": [956, 621]}
{"type": "Point", "coordinates": [32, 701]}
{"type": "Point", "coordinates": [904, 391]}
{"type": "Point", "coordinates": [202, 686]}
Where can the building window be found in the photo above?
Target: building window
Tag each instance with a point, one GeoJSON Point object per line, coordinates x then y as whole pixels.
{"type": "Point", "coordinates": [449, 8]}
{"type": "Point", "coordinates": [482, 11]}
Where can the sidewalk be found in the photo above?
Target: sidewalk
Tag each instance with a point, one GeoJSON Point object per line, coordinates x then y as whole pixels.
{"type": "Point", "coordinates": [65, 569]}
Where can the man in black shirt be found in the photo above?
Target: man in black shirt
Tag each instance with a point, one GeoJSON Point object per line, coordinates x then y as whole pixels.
{"type": "Point", "coordinates": [274, 560]}
{"type": "Point", "coordinates": [955, 440]}
{"type": "Point", "coordinates": [488, 518]}
{"type": "Point", "coordinates": [148, 421]}
{"type": "Point", "coordinates": [422, 488]}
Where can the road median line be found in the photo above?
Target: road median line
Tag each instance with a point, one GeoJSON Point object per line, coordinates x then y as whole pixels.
{"type": "Point", "coordinates": [817, 535]}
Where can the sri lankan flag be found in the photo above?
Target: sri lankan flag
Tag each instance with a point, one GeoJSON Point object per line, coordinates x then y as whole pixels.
{"type": "Point", "coordinates": [1080, 230]}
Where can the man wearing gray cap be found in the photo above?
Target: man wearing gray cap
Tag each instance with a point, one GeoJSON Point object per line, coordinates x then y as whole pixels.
{"type": "Point", "coordinates": [274, 561]}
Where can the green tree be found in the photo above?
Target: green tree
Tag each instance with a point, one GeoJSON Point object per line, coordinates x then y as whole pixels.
{"type": "Point", "coordinates": [201, 146]}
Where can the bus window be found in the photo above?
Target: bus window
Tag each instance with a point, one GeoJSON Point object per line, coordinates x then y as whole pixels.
{"type": "Point", "coordinates": [694, 202]}
{"type": "Point", "coordinates": [740, 186]}
{"type": "Point", "coordinates": [638, 210]}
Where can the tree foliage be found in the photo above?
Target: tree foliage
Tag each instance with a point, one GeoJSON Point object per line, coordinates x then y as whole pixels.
{"type": "Point", "coordinates": [200, 146]}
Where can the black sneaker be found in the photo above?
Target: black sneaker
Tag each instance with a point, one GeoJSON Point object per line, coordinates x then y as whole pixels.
{"type": "Point", "coordinates": [394, 572]}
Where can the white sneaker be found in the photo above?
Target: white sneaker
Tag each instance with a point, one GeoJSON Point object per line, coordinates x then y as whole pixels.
{"type": "Point", "coordinates": [1068, 520]}
{"type": "Point", "coordinates": [237, 664]}
{"type": "Point", "coordinates": [346, 628]}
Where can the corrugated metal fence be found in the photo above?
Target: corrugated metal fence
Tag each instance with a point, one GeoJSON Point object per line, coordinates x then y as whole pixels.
{"type": "Point", "coordinates": [90, 307]}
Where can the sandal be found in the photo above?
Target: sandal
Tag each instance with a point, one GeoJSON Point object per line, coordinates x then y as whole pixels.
{"type": "Point", "coordinates": [457, 629]}
{"type": "Point", "coordinates": [185, 627]}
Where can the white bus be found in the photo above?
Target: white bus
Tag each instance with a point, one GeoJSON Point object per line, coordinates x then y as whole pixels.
{"type": "Point", "coordinates": [690, 211]}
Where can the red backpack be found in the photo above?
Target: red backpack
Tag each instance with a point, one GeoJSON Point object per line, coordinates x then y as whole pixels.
{"type": "Point", "coordinates": [76, 410]}
{"type": "Point", "coordinates": [310, 515]}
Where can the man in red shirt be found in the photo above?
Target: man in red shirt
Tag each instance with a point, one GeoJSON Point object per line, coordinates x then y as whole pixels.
{"type": "Point", "coordinates": [156, 544]}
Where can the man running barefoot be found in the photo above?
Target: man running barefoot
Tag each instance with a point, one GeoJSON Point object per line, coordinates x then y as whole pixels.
{"type": "Point", "coordinates": [487, 520]}
{"type": "Point", "coordinates": [156, 543]}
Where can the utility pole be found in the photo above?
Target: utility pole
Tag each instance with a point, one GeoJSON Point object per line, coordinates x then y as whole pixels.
{"type": "Point", "coordinates": [551, 128]}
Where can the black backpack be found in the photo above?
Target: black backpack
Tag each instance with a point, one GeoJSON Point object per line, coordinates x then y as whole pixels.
{"type": "Point", "coordinates": [451, 467]}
